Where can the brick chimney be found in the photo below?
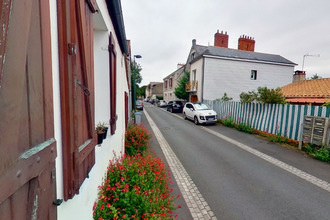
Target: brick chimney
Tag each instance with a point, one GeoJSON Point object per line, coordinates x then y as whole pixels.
{"type": "Point", "coordinates": [221, 39]}
{"type": "Point", "coordinates": [246, 43]}
{"type": "Point", "coordinates": [299, 75]}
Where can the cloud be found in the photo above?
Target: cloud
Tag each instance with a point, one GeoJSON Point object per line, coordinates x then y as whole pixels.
{"type": "Point", "coordinates": [162, 31]}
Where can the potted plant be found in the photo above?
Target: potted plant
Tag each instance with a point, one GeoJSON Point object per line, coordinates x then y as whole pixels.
{"type": "Point", "coordinates": [105, 129]}
{"type": "Point", "coordinates": [100, 132]}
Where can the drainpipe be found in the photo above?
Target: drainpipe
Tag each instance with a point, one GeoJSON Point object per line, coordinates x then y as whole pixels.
{"type": "Point", "coordinates": [202, 90]}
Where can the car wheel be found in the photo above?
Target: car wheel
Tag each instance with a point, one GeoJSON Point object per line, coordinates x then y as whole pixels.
{"type": "Point", "coordinates": [171, 110]}
{"type": "Point", "coordinates": [196, 120]}
{"type": "Point", "coordinates": [184, 116]}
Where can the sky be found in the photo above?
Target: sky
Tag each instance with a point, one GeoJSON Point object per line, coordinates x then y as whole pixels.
{"type": "Point", "coordinates": [161, 31]}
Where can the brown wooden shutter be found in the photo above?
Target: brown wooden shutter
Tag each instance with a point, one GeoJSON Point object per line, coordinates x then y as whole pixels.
{"type": "Point", "coordinates": [77, 92]}
{"type": "Point", "coordinates": [113, 84]}
{"type": "Point", "coordinates": [27, 143]}
{"type": "Point", "coordinates": [126, 110]}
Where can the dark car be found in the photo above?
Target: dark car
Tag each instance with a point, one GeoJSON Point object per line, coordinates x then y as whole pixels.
{"type": "Point", "coordinates": [174, 106]}
{"type": "Point", "coordinates": [139, 105]}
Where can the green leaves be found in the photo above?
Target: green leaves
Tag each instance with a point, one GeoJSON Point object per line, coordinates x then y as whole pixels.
{"type": "Point", "coordinates": [180, 91]}
{"type": "Point", "coordinates": [264, 95]}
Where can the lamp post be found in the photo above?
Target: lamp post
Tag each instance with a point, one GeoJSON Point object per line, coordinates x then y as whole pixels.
{"type": "Point", "coordinates": [134, 93]}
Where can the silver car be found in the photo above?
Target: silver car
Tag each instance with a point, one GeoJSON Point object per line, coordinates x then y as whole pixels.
{"type": "Point", "coordinates": [200, 113]}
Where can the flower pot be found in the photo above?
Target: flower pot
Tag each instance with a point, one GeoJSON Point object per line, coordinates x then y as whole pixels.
{"type": "Point", "coordinates": [100, 138]}
{"type": "Point", "coordinates": [105, 130]}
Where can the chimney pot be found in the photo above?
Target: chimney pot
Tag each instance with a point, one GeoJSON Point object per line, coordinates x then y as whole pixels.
{"type": "Point", "coordinates": [221, 39]}
{"type": "Point", "coordinates": [246, 43]}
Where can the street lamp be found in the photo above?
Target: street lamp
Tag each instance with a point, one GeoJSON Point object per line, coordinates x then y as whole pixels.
{"type": "Point", "coordinates": [134, 93]}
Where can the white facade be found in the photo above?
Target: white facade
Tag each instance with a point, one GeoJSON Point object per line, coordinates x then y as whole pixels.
{"type": "Point", "coordinates": [234, 77]}
{"type": "Point", "coordinates": [80, 206]}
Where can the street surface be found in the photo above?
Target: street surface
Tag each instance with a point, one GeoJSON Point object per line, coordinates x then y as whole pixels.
{"type": "Point", "coordinates": [236, 175]}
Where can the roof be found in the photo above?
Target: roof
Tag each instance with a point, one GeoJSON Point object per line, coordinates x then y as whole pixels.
{"type": "Point", "coordinates": [116, 14]}
{"type": "Point", "coordinates": [316, 88]}
{"type": "Point", "coordinates": [235, 54]}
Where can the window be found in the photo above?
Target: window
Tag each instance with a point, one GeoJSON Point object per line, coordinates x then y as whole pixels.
{"type": "Point", "coordinates": [253, 74]}
{"type": "Point", "coordinates": [165, 84]}
{"type": "Point", "coordinates": [193, 56]}
{"type": "Point", "coordinates": [170, 83]}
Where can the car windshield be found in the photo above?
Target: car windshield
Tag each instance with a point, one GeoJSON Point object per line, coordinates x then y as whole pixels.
{"type": "Point", "coordinates": [201, 106]}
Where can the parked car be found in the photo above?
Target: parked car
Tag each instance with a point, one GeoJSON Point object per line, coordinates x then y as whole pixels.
{"type": "Point", "coordinates": [200, 113]}
{"type": "Point", "coordinates": [174, 106]}
{"type": "Point", "coordinates": [161, 104]}
{"type": "Point", "coordinates": [139, 104]}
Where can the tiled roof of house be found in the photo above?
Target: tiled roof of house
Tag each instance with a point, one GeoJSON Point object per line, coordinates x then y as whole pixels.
{"type": "Point", "coordinates": [316, 88]}
{"type": "Point", "coordinates": [242, 55]}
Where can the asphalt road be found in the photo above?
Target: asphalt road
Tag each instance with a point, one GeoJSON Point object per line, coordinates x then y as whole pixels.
{"type": "Point", "coordinates": [238, 184]}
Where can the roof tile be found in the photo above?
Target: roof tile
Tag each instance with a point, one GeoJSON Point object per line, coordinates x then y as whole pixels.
{"type": "Point", "coordinates": [308, 88]}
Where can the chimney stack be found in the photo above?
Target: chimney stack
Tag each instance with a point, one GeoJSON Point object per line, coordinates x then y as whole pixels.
{"type": "Point", "coordinates": [221, 39]}
{"type": "Point", "coordinates": [194, 42]}
{"type": "Point", "coordinates": [246, 43]}
{"type": "Point", "coordinates": [299, 75]}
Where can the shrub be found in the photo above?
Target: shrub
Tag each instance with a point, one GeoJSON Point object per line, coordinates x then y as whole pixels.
{"type": "Point", "coordinates": [278, 138]}
{"type": "Point", "coordinates": [229, 122]}
{"type": "Point", "coordinates": [244, 127]}
{"type": "Point", "coordinates": [136, 139]}
{"type": "Point", "coordinates": [135, 188]}
{"type": "Point", "coordinates": [322, 153]}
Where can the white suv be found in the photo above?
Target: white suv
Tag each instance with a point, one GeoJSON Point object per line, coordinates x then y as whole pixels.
{"type": "Point", "coordinates": [199, 112]}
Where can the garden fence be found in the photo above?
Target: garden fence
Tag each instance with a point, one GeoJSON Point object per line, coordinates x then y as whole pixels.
{"type": "Point", "coordinates": [280, 119]}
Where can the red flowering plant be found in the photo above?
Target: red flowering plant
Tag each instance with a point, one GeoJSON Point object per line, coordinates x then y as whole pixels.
{"type": "Point", "coordinates": [136, 187]}
{"type": "Point", "coordinates": [136, 139]}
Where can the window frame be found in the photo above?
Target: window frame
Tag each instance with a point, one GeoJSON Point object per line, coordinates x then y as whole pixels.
{"type": "Point", "coordinates": [254, 74]}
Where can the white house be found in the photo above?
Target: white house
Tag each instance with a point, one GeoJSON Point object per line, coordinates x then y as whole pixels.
{"type": "Point", "coordinates": [215, 70]}
{"type": "Point", "coordinates": [64, 68]}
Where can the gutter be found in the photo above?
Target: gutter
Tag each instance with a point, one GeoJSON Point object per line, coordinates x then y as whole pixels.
{"type": "Point", "coordinates": [251, 61]}
{"type": "Point", "coordinates": [116, 14]}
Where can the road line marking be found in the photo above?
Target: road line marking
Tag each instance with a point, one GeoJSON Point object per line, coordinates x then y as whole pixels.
{"type": "Point", "coordinates": [197, 205]}
{"type": "Point", "coordinates": [295, 171]}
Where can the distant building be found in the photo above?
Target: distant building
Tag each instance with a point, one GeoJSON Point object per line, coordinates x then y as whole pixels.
{"type": "Point", "coordinates": [171, 82]}
{"type": "Point", "coordinates": [215, 70]}
{"type": "Point", "coordinates": [154, 89]}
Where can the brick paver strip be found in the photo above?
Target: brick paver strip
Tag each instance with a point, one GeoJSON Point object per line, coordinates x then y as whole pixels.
{"type": "Point", "coordinates": [197, 205]}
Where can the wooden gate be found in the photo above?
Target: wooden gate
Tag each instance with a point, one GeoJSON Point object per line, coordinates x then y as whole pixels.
{"type": "Point", "coordinates": [77, 91]}
{"type": "Point", "coordinates": [27, 144]}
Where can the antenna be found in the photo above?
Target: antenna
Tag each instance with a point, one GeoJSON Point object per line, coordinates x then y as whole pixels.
{"type": "Point", "coordinates": [308, 55]}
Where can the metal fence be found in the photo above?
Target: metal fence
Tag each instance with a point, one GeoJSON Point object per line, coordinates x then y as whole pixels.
{"type": "Point", "coordinates": [280, 119]}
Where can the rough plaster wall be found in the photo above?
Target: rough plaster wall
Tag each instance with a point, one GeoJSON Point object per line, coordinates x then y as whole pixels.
{"type": "Point", "coordinates": [80, 207]}
{"type": "Point", "coordinates": [233, 77]}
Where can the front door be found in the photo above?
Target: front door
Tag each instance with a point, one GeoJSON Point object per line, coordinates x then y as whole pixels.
{"type": "Point", "coordinates": [27, 144]}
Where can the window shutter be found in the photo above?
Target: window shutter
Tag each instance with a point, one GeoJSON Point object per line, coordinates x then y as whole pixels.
{"type": "Point", "coordinates": [113, 84]}
{"type": "Point", "coordinates": [77, 93]}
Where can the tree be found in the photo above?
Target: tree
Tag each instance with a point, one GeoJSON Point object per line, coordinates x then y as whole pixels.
{"type": "Point", "coordinates": [264, 95]}
{"type": "Point", "coordinates": [315, 76]}
{"type": "Point", "coordinates": [180, 90]}
{"type": "Point", "coordinates": [225, 97]}
{"type": "Point", "coordinates": [141, 92]}
{"type": "Point", "coordinates": [135, 73]}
